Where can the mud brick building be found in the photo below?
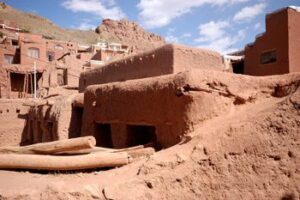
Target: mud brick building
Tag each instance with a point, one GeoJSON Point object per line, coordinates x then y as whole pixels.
{"type": "Point", "coordinates": [167, 59]}
{"type": "Point", "coordinates": [58, 63]}
{"type": "Point", "coordinates": [277, 50]}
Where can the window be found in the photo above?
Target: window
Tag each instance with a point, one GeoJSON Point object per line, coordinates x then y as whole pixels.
{"type": "Point", "coordinates": [8, 59]}
{"type": "Point", "coordinates": [15, 42]}
{"type": "Point", "coordinates": [33, 52]}
{"type": "Point", "coordinates": [50, 56]}
{"type": "Point", "coordinates": [268, 57]}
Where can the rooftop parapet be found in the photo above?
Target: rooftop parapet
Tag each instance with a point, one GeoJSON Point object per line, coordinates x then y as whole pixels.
{"type": "Point", "coordinates": [167, 59]}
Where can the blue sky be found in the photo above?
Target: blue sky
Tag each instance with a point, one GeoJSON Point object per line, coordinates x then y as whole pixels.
{"type": "Point", "coordinates": [221, 25]}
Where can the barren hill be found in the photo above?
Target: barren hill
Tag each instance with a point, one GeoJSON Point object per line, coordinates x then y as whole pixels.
{"type": "Point", "coordinates": [129, 33]}
{"type": "Point", "coordinates": [39, 25]}
{"type": "Point", "coordinates": [114, 31]}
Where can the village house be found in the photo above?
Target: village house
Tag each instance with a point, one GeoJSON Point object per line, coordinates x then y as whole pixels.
{"type": "Point", "coordinates": [167, 59]}
{"type": "Point", "coordinates": [118, 100]}
{"type": "Point", "coordinates": [276, 51]}
{"type": "Point", "coordinates": [56, 63]}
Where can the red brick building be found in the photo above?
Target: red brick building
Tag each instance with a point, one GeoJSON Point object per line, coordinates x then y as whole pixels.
{"type": "Point", "coordinates": [277, 51]}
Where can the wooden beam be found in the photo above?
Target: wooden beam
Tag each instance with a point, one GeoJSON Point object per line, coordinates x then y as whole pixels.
{"type": "Point", "coordinates": [63, 163]}
{"type": "Point", "coordinates": [73, 144]}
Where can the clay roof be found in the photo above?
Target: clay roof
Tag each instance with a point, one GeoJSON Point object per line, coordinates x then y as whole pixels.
{"type": "Point", "coordinates": [22, 69]}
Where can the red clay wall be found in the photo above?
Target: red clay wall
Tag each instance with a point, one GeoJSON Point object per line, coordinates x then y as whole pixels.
{"type": "Point", "coordinates": [167, 59]}
{"type": "Point", "coordinates": [4, 84]}
{"type": "Point", "coordinates": [275, 38]}
{"type": "Point", "coordinates": [27, 41]}
{"type": "Point", "coordinates": [12, 121]}
{"type": "Point", "coordinates": [159, 102]}
{"type": "Point", "coordinates": [294, 40]}
{"type": "Point", "coordinates": [7, 49]}
{"type": "Point", "coordinates": [52, 46]}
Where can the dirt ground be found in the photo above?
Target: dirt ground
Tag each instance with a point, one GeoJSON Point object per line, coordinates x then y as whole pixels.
{"type": "Point", "coordinates": [252, 152]}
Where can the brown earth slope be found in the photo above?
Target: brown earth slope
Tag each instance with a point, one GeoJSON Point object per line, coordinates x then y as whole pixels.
{"type": "Point", "coordinates": [38, 25]}
{"type": "Point", "coordinates": [251, 152]}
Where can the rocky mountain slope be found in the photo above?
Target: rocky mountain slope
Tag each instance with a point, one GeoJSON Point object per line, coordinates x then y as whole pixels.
{"type": "Point", "coordinates": [122, 31]}
{"type": "Point", "coordinates": [129, 33]}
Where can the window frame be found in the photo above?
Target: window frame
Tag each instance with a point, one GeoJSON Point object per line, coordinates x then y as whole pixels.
{"type": "Point", "coordinates": [271, 60]}
{"type": "Point", "coordinates": [31, 50]}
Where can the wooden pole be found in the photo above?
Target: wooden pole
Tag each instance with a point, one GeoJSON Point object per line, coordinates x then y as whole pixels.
{"type": "Point", "coordinates": [31, 84]}
{"type": "Point", "coordinates": [9, 83]}
{"type": "Point", "coordinates": [73, 144]}
{"type": "Point", "coordinates": [24, 85]}
{"type": "Point", "coordinates": [79, 162]}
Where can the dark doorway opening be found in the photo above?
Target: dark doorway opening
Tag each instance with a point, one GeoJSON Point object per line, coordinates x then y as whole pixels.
{"type": "Point", "coordinates": [62, 77]}
{"type": "Point", "coordinates": [238, 67]}
{"type": "Point", "coordinates": [103, 135]}
{"type": "Point", "coordinates": [76, 122]}
{"type": "Point", "coordinates": [140, 135]}
{"type": "Point", "coordinates": [17, 82]}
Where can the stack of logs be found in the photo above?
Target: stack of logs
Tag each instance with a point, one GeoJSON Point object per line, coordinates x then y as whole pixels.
{"type": "Point", "coordinates": [71, 154]}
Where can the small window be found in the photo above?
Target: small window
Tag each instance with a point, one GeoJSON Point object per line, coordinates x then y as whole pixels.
{"type": "Point", "coordinates": [33, 52]}
{"type": "Point", "coordinates": [50, 56]}
{"type": "Point", "coordinates": [15, 42]}
{"type": "Point", "coordinates": [268, 57]}
{"type": "Point", "coordinates": [8, 59]}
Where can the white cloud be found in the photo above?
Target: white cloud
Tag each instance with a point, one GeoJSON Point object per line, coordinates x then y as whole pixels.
{"type": "Point", "coordinates": [250, 12]}
{"type": "Point", "coordinates": [186, 35]}
{"type": "Point", "coordinates": [171, 39]}
{"type": "Point", "coordinates": [159, 13]}
{"type": "Point", "coordinates": [257, 26]}
{"type": "Point", "coordinates": [212, 30]}
{"type": "Point", "coordinates": [102, 8]}
{"type": "Point", "coordinates": [215, 36]}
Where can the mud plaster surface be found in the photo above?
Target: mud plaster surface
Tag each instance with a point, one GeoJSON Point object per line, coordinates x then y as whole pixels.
{"type": "Point", "coordinates": [251, 152]}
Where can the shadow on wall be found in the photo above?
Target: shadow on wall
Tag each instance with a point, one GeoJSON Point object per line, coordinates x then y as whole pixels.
{"type": "Point", "coordinates": [39, 127]}
{"type": "Point", "coordinates": [45, 123]}
{"type": "Point", "coordinates": [75, 123]}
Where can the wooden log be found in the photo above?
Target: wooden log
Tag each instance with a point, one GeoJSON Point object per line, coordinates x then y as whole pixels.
{"type": "Point", "coordinates": [99, 149]}
{"type": "Point", "coordinates": [137, 153]}
{"type": "Point", "coordinates": [50, 162]}
{"type": "Point", "coordinates": [73, 144]}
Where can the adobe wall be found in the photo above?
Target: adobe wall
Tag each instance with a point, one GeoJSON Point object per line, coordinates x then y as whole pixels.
{"type": "Point", "coordinates": [173, 104]}
{"type": "Point", "coordinates": [7, 49]}
{"type": "Point", "coordinates": [167, 59]}
{"type": "Point", "coordinates": [49, 120]}
{"type": "Point", "coordinates": [51, 46]}
{"type": "Point", "coordinates": [74, 68]}
{"type": "Point", "coordinates": [272, 39]}
{"type": "Point", "coordinates": [12, 119]}
{"type": "Point", "coordinates": [294, 40]}
{"type": "Point", "coordinates": [27, 41]}
{"type": "Point", "coordinates": [4, 84]}
{"type": "Point", "coordinates": [160, 102]}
